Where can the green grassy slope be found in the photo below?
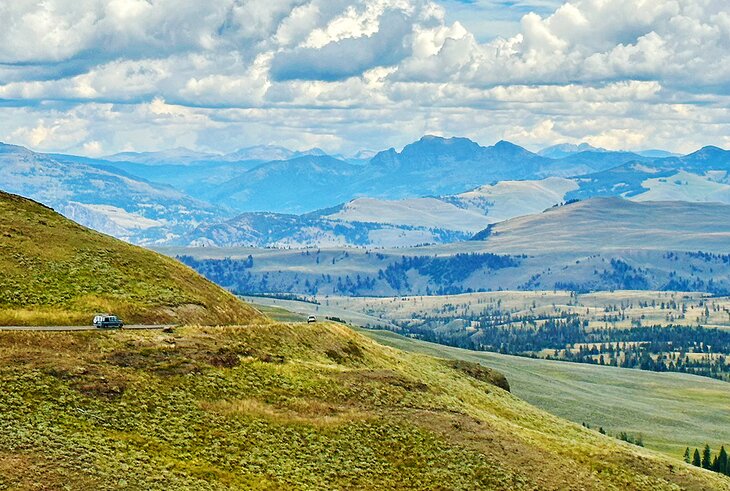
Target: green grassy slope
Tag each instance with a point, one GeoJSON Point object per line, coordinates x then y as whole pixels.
{"type": "Point", "coordinates": [55, 271]}
{"type": "Point", "coordinates": [286, 406]}
{"type": "Point", "coordinates": [671, 410]}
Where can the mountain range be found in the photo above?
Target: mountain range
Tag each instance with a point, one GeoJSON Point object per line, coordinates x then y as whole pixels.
{"type": "Point", "coordinates": [435, 190]}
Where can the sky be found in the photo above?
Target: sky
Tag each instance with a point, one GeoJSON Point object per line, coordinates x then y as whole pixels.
{"type": "Point", "coordinates": [98, 77]}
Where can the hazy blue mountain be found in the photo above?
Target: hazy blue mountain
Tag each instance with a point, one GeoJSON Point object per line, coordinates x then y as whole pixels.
{"type": "Point", "coordinates": [432, 166]}
{"type": "Point", "coordinates": [102, 197]}
{"type": "Point", "coordinates": [196, 179]}
{"type": "Point", "coordinates": [195, 173]}
{"type": "Point", "coordinates": [657, 154]}
{"type": "Point", "coordinates": [435, 190]}
{"type": "Point", "coordinates": [173, 156]}
{"type": "Point", "coordinates": [562, 150]}
{"type": "Point", "coordinates": [701, 174]}
{"type": "Point", "coordinates": [297, 185]}
{"type": "Point", "coordinates": [267, 153]}
{"type": "Point", "coordinates": [591, 161]}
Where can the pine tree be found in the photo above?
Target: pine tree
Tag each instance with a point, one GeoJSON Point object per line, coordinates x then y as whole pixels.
{"type": "Point", "coordinates": [722, 462]}
{"type": "Point", "coordinates": [687, 457]}
{"type": "Point", "coordinates": [706, 457]}
{"type": "Point", "coordinates": [696, 458]}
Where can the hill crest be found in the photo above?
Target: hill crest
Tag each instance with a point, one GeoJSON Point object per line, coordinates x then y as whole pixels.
{"type": "Point", "coordinates": [57, 272]}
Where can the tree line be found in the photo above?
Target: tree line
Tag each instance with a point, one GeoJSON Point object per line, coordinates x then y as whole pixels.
{"type": "Point", "coordinates": [706, 460]}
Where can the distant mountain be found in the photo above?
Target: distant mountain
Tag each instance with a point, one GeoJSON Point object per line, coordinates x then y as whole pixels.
{"type": "Point", "coordinates": [173, 156]}
{"type": "Point", "coordinates": [260, 153]}
{"type": "Point", "coordinates": [434, 190]}
{"type": "Point", "coordinates": [591, 161]}
{"type": "Point", "coordinates": [709, 168]}
{"type": "Point", "coordinates": [269, 178]}
{"type": "Point", "coordinates": [195, 178]}
{"type": "Point", "coordinates": [102, 197]}
{"type": "Point", "coordinates": [657, 154]}
{"type": "Point", "coordinates": [432, 166]}
{"type": "Point", "coordinates": [297, 185]}
{"type": "Point", "coordinates": [267, 153]}
{"type": "Point", "coordinates": [563, 150]}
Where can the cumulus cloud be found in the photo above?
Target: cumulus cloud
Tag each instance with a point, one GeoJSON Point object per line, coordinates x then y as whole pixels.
{"type": "Point", "coordinates": [347, 57]}
{"type": "Point", "coordinates": [94, 77]}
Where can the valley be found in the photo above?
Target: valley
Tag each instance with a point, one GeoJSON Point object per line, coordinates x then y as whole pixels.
{"type": "Point", "coordinates": [394, 245]}
{"type": "Point", "coordinates": [656, 331]}
{"type": "Point", "coordinates": [600, 244]}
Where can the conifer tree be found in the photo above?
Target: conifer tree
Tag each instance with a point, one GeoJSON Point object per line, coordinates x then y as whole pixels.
{"type": "Point", "coordinates": [696, 458]}
{"type": "Point", "coordinates": [722, 462]}
{"type": "Point", "coordinates": [706, 457]}
{"type": "Point", "coordinates": [687, 457]}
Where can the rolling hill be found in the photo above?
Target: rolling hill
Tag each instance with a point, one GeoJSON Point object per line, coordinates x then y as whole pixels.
{"type": "Point", "coordinates": [294, 406]}
{"type": "Point", "coordinates": [374, 222]}
{"type": "Point", "coordinates": [597, 244]}
{"type": "Point", "coordinates": [56, 272]}
{"type": "Point", "coordinates": [604, 224]}
{"type": "Point", "coordinates": [671, 410]}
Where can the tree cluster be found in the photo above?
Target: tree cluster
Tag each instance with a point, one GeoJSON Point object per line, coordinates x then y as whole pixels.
{"type": "Point", "coordinates": [706, 459]}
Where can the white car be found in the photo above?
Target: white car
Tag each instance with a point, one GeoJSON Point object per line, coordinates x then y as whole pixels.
{"type": "Point", "coordinates": [311, 319]}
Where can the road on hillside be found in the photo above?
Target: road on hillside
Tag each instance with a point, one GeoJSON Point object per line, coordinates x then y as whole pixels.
{"type": "Point", "coordinates": [81, 328]}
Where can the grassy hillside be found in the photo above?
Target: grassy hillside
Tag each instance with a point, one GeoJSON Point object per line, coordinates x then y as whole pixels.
{"type": "Point", "coordinates": [287, 406]}
{"type": "Point", "coordinates": [604, 224]}
{"type": "Point", "coordinates": [670, 410]}
{"type": "Point", "coordinates": [55, 271]}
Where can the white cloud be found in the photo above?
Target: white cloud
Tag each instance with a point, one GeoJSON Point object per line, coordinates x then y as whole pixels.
{"type": "Point", "coordinates": [89, 76]}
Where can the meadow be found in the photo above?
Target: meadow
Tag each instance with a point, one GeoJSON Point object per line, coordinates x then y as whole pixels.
{"type": "Point", "coordinates": [669, 410]}
{"type": "Point", "coordinates": [294, 406]}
